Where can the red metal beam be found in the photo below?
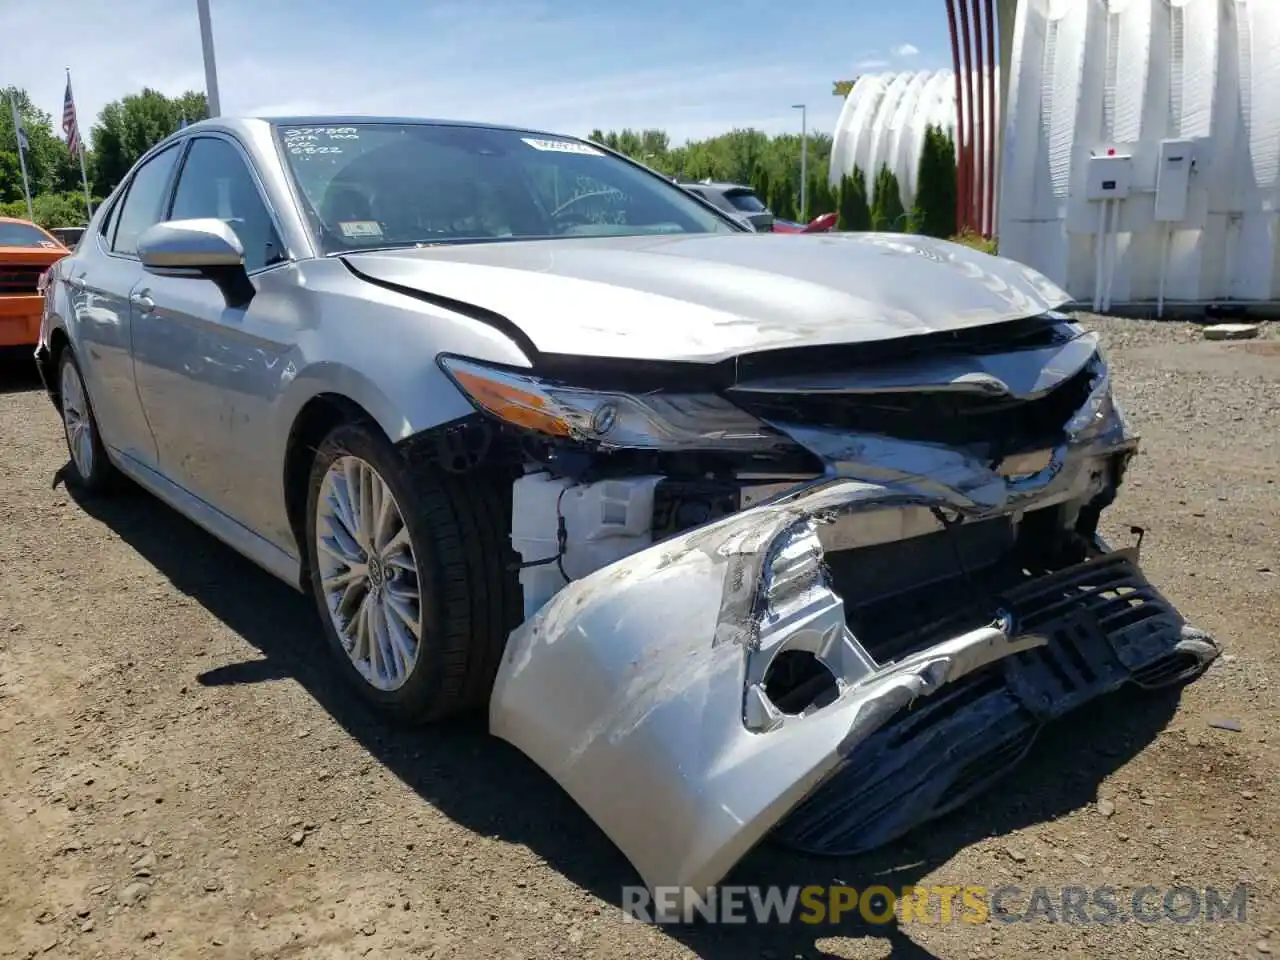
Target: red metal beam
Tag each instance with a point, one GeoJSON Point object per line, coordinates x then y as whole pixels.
{"type": "Point", "coordinates": [997, 115]}
{"type": "Point", "coordinates": [981, 125]}
{"type": "Point", "coordinates": [966, 47]}
{"type": "Point", "coordinates": [962, 169]}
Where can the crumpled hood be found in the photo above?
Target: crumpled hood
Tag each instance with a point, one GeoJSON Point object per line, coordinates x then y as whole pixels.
{"type": "Point", "coordinates": [709, 297]}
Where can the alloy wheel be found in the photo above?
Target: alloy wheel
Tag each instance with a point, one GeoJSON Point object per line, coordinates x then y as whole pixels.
{"type": "Point", "coordinates": [368, 572]}
{"type": "Point", "coordinates": [77, 421]}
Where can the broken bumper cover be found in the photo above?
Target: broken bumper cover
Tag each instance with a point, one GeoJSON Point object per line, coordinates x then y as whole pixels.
{"type": "Point", "coordinates": [644, 688]}
{"type": "Point", "coordinates": [641, 690]}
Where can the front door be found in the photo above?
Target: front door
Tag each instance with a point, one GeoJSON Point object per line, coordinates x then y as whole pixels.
{"type": "Point", "coordinates": [207, 371]}
{"type": "Point", "coordinates": [102, 276]}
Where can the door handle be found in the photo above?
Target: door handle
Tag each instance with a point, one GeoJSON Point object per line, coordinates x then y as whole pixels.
{"type": "Point", "coordinates": [143, 302]}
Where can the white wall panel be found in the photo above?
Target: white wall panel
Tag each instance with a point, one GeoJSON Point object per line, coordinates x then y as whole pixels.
{"type": "Point", "coordinates": [1091, 76]}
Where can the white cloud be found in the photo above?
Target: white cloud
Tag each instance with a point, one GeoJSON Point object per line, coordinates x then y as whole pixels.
{"type": "Point", "coordinates": [505, 61]}
{"type": "Point", "coordinates": [905, 50]}
{"type": "Point", "coordinates": [871, 64]}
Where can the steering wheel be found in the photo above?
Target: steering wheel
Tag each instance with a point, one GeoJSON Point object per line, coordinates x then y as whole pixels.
{"type": "Point", "coordinates": [567, 221]}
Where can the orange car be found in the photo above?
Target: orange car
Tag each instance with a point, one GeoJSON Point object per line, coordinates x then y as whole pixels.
{"type": "Point", "coordinates": [26, 252]}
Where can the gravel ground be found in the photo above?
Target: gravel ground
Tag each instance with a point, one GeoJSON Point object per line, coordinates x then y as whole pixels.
{"type": "Point", "coordinates": [181, 776]}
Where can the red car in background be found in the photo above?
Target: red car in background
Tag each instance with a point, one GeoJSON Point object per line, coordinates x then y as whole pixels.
{"type": "Point", "coordinates": [743, 203]}
{"type": "Point", "coordinates": [819, 224]}
{"type": "Point", "coordinates": [26, 252]}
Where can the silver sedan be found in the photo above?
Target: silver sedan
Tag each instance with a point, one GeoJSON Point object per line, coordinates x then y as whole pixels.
{"type": "Point", "coordinates": [734, 533]}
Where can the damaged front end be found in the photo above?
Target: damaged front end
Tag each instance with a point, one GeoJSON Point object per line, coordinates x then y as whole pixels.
{"type": "Point", "coordinates": [847, 655]}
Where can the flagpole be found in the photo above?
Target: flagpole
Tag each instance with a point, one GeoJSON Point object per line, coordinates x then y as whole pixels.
{"type": "Point", "coordinates": [22, 156]}
{"type": "Point", "coordinates": [84, 176]}
{"type": "Point", "coordinates": [210, 66]}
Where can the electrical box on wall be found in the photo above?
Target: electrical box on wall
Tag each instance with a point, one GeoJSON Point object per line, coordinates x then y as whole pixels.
{"type": "Point", "coordinates": [1109, 177]}
{"type": "Point", "coordinates": [1173, 179]}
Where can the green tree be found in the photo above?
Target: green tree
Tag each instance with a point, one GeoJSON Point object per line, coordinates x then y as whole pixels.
{"type": "Point", "coordinates": [855, 214]}
{"type": "Point", "coordinates": [821, 198]}
{"type": "Point", "coordinates": [760, 183]}
{"type": "Point", "coordinates": [934, 211]}
{"type": "Point", "coordinates": [782, 198]}
{"type": "Point", "coordinates": [743, 156]}
{"type": "Point", "coordinates": [50, 168]}
{"type": "Point", "coordinates": [52, 209]}
{"type": "Point", "coordinates": [129, 127]}
{"type": "Point", "coordinates": [887, 213]}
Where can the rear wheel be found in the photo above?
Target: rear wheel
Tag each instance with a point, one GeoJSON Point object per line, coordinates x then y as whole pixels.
{"type": "Point", "coordinates": [90, 470]}
{"type": "Point", "coordinates": [409, 569]}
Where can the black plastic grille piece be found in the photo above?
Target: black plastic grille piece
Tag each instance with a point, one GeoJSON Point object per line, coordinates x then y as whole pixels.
{"type": "Point", "coordinates": [1105, 626]}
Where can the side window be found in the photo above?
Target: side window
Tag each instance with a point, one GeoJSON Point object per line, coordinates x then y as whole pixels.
{"type": "Point", "coordinates": [143, 204]}
{"type": "Point", "coordinates": [108, 227]}
{"type": "Point", "coordinates": [216, 183]}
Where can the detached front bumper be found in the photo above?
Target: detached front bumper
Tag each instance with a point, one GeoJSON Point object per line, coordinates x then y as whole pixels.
{"type": "Point", "coordinates": [648, 689]}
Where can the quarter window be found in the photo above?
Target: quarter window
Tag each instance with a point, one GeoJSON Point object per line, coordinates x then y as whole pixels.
{"type": "Point", "coordinates": [144, 203]}
{"type": "Point", "coordinates": [216, 183]}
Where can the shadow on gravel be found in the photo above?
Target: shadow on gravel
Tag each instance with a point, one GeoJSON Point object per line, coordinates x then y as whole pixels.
{"type": "Point", "coordinates": [489, 787]}
{"type": "Point", "coordinates": [18, 372]}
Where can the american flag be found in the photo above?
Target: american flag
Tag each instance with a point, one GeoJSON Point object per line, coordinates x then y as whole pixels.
{"type": "Point", "coordinates": [69, 125]}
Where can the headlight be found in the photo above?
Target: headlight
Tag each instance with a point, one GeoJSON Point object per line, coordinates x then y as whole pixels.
{"type": "Point", "coordinates": [655, 421]}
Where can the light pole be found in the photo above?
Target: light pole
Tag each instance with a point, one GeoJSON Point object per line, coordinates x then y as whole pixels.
{"type": "Point", "coordinates": [210, 67]}
{"type": "Point", "coordinates": [804, 161]}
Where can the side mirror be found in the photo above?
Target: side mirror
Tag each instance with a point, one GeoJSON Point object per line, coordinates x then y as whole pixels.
{"type": "Point", "coordinates": [205, 248]}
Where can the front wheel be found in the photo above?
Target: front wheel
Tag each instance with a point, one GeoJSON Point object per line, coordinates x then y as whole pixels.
{"type": "Point", "coordinates": [90, 470]}
{"type": "Point", "coordinates": [409, 569]}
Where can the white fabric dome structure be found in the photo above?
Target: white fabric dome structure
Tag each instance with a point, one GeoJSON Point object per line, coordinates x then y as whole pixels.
{"type": "Point", "coordinates": [883, 124]}
{"type": "Point", "coordinates": [885, 116]}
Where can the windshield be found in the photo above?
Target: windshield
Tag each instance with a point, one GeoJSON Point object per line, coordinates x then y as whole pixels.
{"type": "Point", "coordinates": [746, 201]}
{"type": "Point", "coordinates": [24, 235]}
{"type": "Point", "coordinates": [398, 184]}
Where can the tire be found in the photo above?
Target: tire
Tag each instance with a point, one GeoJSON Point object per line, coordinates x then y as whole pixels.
{"type": "Point", "coordinates": [460, 560]}
{"type": "Point", "coordinates": [89, 470]}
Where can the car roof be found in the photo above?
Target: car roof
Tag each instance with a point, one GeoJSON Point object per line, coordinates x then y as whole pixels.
{"type": "Point", "coordinates": [335, 120]}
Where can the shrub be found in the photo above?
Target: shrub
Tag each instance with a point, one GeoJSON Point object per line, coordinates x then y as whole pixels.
{"type": "Point", "coordinates": [887, 213]}
{"type": "Point", "coordinates": [977, 241]}
{"type": "Point", "coordinates": [934, 210]}
{"type": "Point", "coordinates": [855, 214]}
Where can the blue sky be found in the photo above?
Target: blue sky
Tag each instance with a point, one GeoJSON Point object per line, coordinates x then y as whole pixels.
{"type": "Point", "coordinates": [695, 69]}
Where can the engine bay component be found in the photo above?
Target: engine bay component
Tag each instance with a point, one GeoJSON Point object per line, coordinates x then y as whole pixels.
{"type": "Point", "coordinates": [563, 530]}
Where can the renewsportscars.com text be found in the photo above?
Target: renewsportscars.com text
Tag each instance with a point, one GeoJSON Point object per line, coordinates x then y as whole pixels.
{"type": "Point", "coordinates": [971, 904]}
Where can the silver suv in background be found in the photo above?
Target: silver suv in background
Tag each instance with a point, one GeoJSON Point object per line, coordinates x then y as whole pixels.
{"type": "Point", "coordinates": [734, 199]}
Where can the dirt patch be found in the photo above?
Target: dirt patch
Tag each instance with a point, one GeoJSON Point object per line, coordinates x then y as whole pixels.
{"type": "Point", "coordinates": [1269, 348]}
{"type": "Point", "coordinates": [180, 774]}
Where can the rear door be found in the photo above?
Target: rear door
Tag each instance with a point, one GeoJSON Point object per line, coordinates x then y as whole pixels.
{"type": "Point", "coordinates": [100, 278]}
